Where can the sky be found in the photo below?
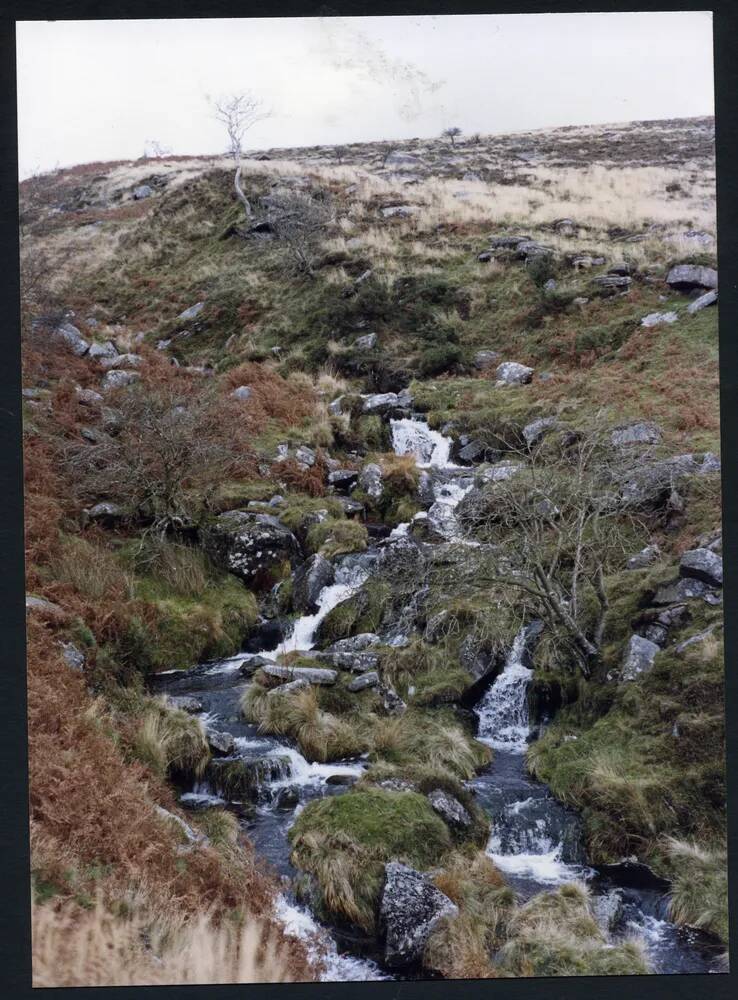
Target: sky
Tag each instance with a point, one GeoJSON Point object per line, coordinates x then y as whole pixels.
{"type": "Point", "coordinates": [102, 90]}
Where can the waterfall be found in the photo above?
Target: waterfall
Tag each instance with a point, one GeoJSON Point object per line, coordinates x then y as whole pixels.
{"type": "Point", "coordinates": [503, 711]}
{"type": "Point", "coordinates": [428, 448]}
{"type": "Point", "coordinates": [303, 633]}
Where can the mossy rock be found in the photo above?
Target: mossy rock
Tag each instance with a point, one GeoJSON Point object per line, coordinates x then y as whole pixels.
{"type": "Point", "coordinates": [344, 841]}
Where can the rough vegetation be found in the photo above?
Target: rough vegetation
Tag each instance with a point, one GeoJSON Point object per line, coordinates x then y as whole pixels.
{"type": "Point", "coordinates": [210, 414]}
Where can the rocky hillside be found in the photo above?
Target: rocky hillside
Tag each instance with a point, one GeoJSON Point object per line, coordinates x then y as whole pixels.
{"type": "Point", "coordinates": [426, 399]}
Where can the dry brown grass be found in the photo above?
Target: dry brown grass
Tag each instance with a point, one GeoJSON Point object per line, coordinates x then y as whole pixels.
{"type": "Point", "coordinates": [73, 946]}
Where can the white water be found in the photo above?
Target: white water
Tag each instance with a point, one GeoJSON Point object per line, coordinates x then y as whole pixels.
{"type": "Point", "coordinates": [303, 772]}
{"type": "Point", "coordinates": [428, 448]}
{"type": "Point", "coordinates": [443, 512]}
{"type": "Point", "coordinates": [347, 583]}
{"type": "Point", "coordinates": [298, 923]}
{"type": "Point", "coordinates": [504, 724]}
{"type": "Point", "coordinates": [503, 712]}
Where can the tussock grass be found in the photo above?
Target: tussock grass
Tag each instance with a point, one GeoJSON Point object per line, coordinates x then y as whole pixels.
{"type": "Point", "coordinates": [555, 934]}
{"type": "Point", "coordinates": [320, 735]}
{"type": "Point", "coordinates": [171, 742]}
{"type": "Point", "coordinates": [461, 947]}
{"type": "Point", "coordinates": [699, 892]}
{"type": "Point", "coordinates": [432, 738]}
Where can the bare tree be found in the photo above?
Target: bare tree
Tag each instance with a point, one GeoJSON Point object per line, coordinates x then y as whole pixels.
{"type": "Point", "coordinates": [560, 526]}
{"type": "Point", "coordinates": [299, 220]}
{"type": "Point", "coordinates": [451, 133]}
{"type": "Point", "coordinates": [239, 113]}
{"type": "Point", "coordinates": [175, 445]}
{"type": "Point", "coordinates": [387, 152]}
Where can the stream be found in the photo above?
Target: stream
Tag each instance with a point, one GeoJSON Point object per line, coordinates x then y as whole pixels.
{"type": "Point", "coordinates": [536, 842]}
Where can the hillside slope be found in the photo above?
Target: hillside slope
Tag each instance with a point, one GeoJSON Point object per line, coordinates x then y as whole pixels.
{"type": "Point", "coordinates": [544, 302]}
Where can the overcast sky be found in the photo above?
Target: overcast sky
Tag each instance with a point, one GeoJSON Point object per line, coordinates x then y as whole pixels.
{"type": "Point", "coordinates": [98, 90]}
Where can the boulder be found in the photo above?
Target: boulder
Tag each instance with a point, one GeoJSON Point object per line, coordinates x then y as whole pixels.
{"type": "Point", "coordinates": [535, 431]}
{"type": "Point", "coordinates": [343, 478]}
{"type": "Point", "coordinates": [185, 703]}
{"type": "Point", "coordinates": [47, 608]}
{"type": "Point", "coordinates": [529, 248]}
{"type": "Point", "coordinates": [610, 284]}
{"type": "Point", "coordinates": [693, 640]}
{"type": "Point", "coordinates": [708, 299]}
{"type": "Point", "coordinates": [657, 318]}
{"type": "Point", "coordinates": [73, 656]}
{"type": "Point", "coordinates": [704, 565]}
{"type": "Point", "coordinates": [513, 373]}
{"type": "Point", "coordinates": [308, 581]}
{"type": "Point", "coordinates": [450, 810]}
{"type": "Point", "coordinates": [642, 432]}
{"type": "Point", "coordinates": [334, 407]}
{"type": "Point", "coordinates": [192, 312]}
{"type": "Point", "coordinates": [88, 397]}
{"type": "Point", "coordinates": [248, 544]}
{"type": "Point", "coordinates": [357, 662]}
{"type": "Point", "coordinates": [354, 643]}
{"type": "Point", "coordinates": [106, 512]}
{"type": "Point", "coordinates": [351, 508]}
{"type": "Point", "coordinates": [287, 797]}
{"type": "Point", "coordinates": [484, 360]}
{"type": "Point", "coordinates": [142, 191]}
{"type": "Point", "coordinates": [366, 343]}
{"type": "Point", "coordinates": [685, 277]}
{"type": "Point", "coordinates": [370, 481]}
{"type": "Point", "coordinates": [121, 361]}
{"type": "Point", "coordinates": [300, 684]}
{"type": "Point", "coordinates": [392, 703]}
{"type": "Point", "coordinates": [410, 908]}
{"type": "Point", "coordinates": [305, 456]}
{"type": "Point", "coordinates": [364, 681]}
{"type": "Point", "coordinates": [221, 744]}
{"type": "Point", "coordinates": [648, 485]}
{"type": "Point", "coordinates": [507, 242]}
{"type": "Point", "coordinates": [397, 211]}
{"type": "Point", "coordinates": [242, 393]}
{"type": "Point", "coordinates": [381, 402]}
{"type": "Point", "coordinates": [119, 380]}
{"type": "Point", "coordinates": [397, 158]}
{"type": "Point", "coordinates": [313, 675]}
{"type": "Point", "coordinates": [639, 656]}
{"type": "Point", "coordinates": [72, 338]}
{"type": "Point", "coordinates": [106, 350]}
{"type": "Point", "coordinates": [644, 558]}
{"type": "Point", "coordinates": [685, 589]}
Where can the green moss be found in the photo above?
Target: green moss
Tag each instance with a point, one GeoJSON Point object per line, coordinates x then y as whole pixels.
{"type": "Point", "coordinates": [343, 842]}
{"type": "Point", "coordinates": [333, 537]}
{"type": "Point", "coordinates": [361, 613]}
{"type": "Point", "coordinates": [652, 765]}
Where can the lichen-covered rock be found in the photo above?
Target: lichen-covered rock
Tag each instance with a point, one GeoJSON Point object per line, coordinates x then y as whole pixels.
{"type": "Point", "coordinates": [249, 545]}
{"type": "Point", "coordinates": [119, 379]}
{"type": "Point", "coordinates": [708, 299]}
{"type": "Point", "coordinates": [639, 656]}
{"type": "Point", "coordinates": [363, 682]}
{"type": "Point", "coordinates": [513, 373]}
{"type": "Point", "coordinates": [657, 318]}
{"type": "Point", "coordinates": [534, 431]}
{"type": "Point", "coordinates": [685, 277]}
{"type": "Point", "coordinates": [308, 581]}
{"type": "Point", "coordinates": [642, 432]}
{"type": "Point", "coordinates": [450, 809]}
{"type": "Point", "coordinates": [685, 589]}
{"type": "Point", "coordinates": [702, 564]}
{"type": "Point", "coordinates": [410, 908]}
{"type": "Point", "coordinates": [221, 744]}
{"type": "Point", "coordinates": [121, 361]}
{"type": "Point", "coordinates": [370, 481]}
{"type": "Point", "coordinates": [313, 675]}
